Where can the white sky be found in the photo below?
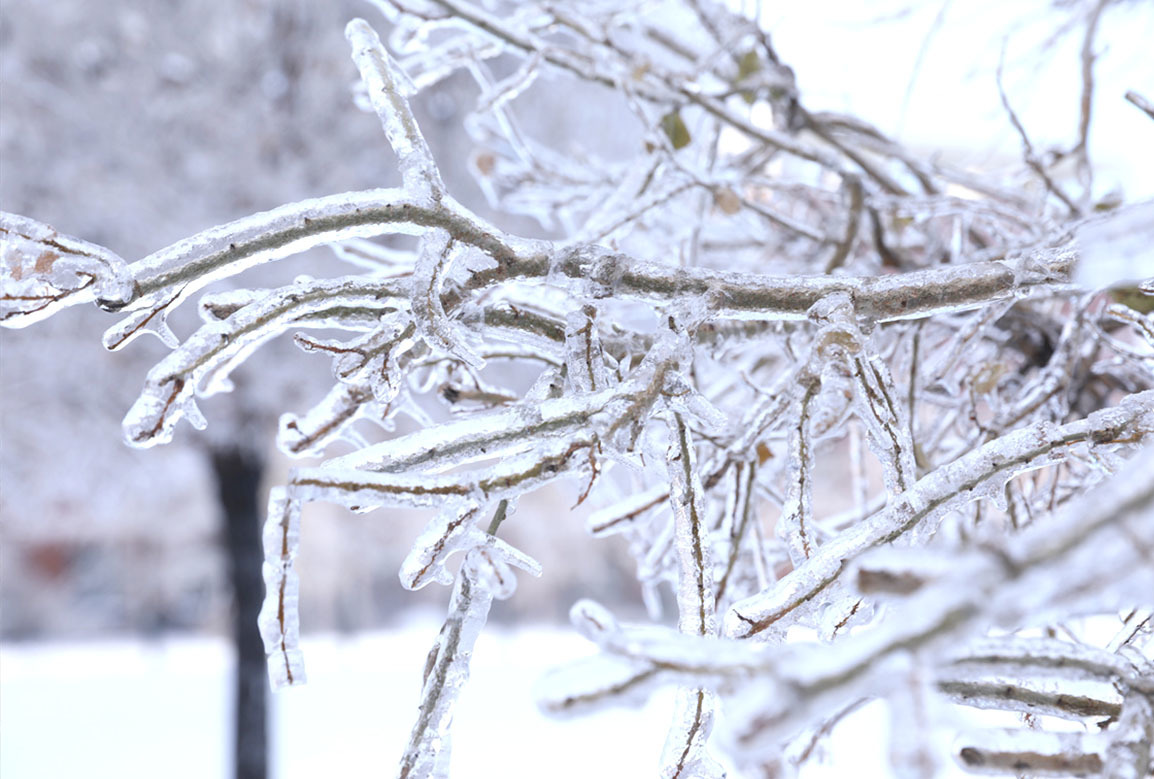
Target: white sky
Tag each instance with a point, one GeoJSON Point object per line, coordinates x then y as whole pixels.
{"type": "Point", "coordinates": [857, 57]}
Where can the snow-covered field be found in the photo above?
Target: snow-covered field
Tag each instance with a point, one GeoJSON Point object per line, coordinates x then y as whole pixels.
{"type": "Point", "coordinates": [133, 708]}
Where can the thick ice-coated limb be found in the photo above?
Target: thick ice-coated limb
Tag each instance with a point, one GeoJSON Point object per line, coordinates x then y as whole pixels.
{"type": "Point", "coordinates": [163, 279]}
{"type": "Point", "coordinates": [44, 271]}
{"type": "Point", "coordinates": [389, 91]}
{"type": "Point", "coordinates": [970, 476]}
{"type": "Point", "coordinates": [279, 616]}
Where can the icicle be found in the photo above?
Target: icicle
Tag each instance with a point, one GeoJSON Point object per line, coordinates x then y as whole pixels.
{"type": "Point", "coordinates": [279, 619]}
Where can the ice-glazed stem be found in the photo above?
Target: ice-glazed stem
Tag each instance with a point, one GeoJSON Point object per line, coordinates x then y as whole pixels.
{"type": "Point", "coordinates": [434, 260]}
{"type": "Point", "coordinates": [44, 271]}
{"type": "Point", "coordinates": [446, 672]}
{"type": "Point", "coordinates": [387, 88]}
{"type": "Point", "coordinates": [201, 365]}
{"type": "Point", "coordinates": [1002, 751]}
{"type": "Point", "coordinates": [795, 524]}
{"type": "Point", "coordinates": [685, 751]}
{"type": "Point", "coordinates": [279, 616]}
{"type": "Point", "coordinates": [163, 279]}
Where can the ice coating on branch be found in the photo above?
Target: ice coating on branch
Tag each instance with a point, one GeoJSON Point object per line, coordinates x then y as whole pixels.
{"type": "Point", "coordinates": [714, 219]}
{"type": "Point", "coordinates": [1001, 750]}
{"type": "Point", "coordinates": [685, 753]}
{"type": "Point", "coordinates": [167, 277]}
{"type": "Point", "coordinates": [878, 405]}
{"type": "Point", "coordinates": [512, 429]}
{"type": "Point", "coordinates": [219, 306]}
{"type": "Point", "coordinates": [201, 366]}
{"type": "Point", "coordinates": [434, 261]}
{"type": "Point", "coordinates": [279, 619]}
{"type": "Point", "coordinates": [44, 271]}
{"type": "Point", "coordinates": [597, 682]}
{"type": "Point", "coordinates": [584, 357]}
{"type": "Point", "coordinates": [369, 373]}
{"type": "Point", "coordinates": [371, 256]}
{"type": "Point", "coordinates": [447, 669]}
{"type": "Point", "coordinates": [981, 472]}
{"type": "Point", "coordinates": [509, 89]}
{"type": "Point", "coordinates": [454, 530]}
{"type": "Point", "coordinates": [685, 746]}
{"type": "Point", "coordinates": [389, 89]}
{"type": "Point", "coordinates": [620, 516]}
{"type": "Point", "coordinates": [796, 524]}
{"type": "Point", "coordinates": [695, 565]}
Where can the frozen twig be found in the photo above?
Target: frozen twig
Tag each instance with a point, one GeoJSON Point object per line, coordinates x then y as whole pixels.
{"type": "Point", "coordinates": [389, 93]}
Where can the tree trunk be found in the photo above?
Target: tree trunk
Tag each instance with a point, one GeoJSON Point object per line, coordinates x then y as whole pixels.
{"type": "Point", "coordinates": [238, 477]}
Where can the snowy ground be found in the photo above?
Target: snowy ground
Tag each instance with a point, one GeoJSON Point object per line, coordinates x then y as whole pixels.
{"type": "Point", "coordinates": [132, 708]}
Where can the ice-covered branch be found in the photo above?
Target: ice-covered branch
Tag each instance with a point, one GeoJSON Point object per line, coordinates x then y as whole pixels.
{"type": "Point", "coordinates": [389, 91]}
{"type": "Point", "coordinates": [482, 578]}
{"type": "Point", "coordinates": [685, 747]}
{"type": "Point", "coordinates": [44, 271]}
{"type": "Point", "coordinates": [201, 365]}
{"type": "Point", "coordinates": [980, 472]}
{"type": "Point", "coordinates": [1092, 556]}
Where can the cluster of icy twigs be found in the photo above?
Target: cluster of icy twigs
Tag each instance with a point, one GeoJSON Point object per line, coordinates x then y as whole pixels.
{"type": "Point", "coordinates": [918, 318]}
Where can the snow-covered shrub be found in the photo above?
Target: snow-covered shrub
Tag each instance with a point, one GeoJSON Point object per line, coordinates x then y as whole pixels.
{"type": "Point", "coordinates": [869, 416]}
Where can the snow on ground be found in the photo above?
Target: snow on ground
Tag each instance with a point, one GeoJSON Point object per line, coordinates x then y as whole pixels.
{"type": "Point", "coordinates": [132, 708]}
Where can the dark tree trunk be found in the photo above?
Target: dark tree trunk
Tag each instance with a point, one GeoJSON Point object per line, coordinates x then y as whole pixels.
{"type": "Point", "coordinates": [238, 477]}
